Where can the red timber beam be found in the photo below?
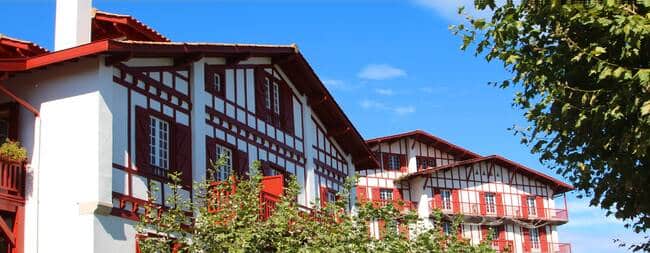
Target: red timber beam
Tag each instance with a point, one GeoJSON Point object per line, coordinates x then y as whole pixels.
{"type": "Point", "coordinates": [8, 232]}
{"type": "Point", "coordinates": [13, 96]}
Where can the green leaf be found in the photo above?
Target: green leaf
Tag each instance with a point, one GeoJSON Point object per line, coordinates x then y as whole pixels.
{"type": "Point", "coordinates": [645, 108]}
{"type": "Point", "coordinates": [598, 51]}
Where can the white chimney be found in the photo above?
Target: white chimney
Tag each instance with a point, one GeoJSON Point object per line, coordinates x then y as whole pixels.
{"type": "Point", "coordinates": [73, 23]}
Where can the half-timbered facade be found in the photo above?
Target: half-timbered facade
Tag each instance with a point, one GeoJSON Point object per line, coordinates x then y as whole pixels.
{"type": "Point", "coordinates": [118, 107]}
{"type": "Point", "coordinates": [494, 195]}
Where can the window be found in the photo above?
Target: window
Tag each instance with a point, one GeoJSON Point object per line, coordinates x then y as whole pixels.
{"type": "Point", "coordinates": [276, 98]}
{"type": "Point", "coordinates": [267, 93]}
{"type": "Point", "coordinates": [534, 238]}
{"type": "Point", "coordinates": [330, 196]}
{"type": "Point", "coordinates": [159, 143]}
{"type": "Point", "coordinates": [393, 162]}
{"type": "Point", "coordinates": [531, 206]}
{"type": "Point", "coordinates": [425, 162]}
{"type": "Point", "coordinates": [431, 162]}
{"type": "Point", "coordinates": [218, 84]}
{"type": "Point", "coordinates": [223, 171]}
{"type": "Point", "coordinates": [446, 227]}
{"type": "Point", "coordinates": [490, 202]}
{"type": "Point", "coordinates": [446, 199]}
{"type": "Point", "coordinates": [386, 194]}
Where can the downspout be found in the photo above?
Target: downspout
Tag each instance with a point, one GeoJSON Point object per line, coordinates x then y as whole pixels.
{"type": "Point", "coordinates": [37, 140]}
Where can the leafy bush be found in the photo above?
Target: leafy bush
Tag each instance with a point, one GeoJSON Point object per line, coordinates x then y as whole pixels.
{"type": "Point", "coordinates": [13, 151]}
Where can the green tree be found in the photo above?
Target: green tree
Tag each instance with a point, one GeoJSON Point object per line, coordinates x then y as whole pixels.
{"type": "Point", "coordinates": [582, 74]}
{"type": "Point", "coordinates": [227, 217]}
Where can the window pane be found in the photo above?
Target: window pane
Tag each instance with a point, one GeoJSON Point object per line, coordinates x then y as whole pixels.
{"type": "Point", "coordinates": [276, 98]}
{"type": "Point", "coordinates": [446, 199]}
{"type": "Point", "coordinates": [267, 93]}
{"type": "Point", "coordinates": [223, 171]}
{"type": "Point", "coordinates": [386, 194]}
{"type": "Point", "coordinates": [532, 210]}
{"type": "Point", "coordinates": [159, 143]}
{"type": "Point", "coordinates": [490, 202]}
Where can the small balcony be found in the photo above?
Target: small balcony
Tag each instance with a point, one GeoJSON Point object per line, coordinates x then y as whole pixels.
{"type": "Point", "coordinates": [12, 180]}
{"type": "Point", "coordinates": [501, 211]}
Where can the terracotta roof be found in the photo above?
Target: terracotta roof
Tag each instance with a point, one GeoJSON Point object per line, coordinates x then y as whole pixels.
{"type": "Point", "coordinates": [114, 26]}
{"type": "Point", "coordinates": [287, 57]}
{"type": "Point", "coordinates": [430, 139]}
{"type": "Point", "coordinates": [559, 186]}
{"type": "Point", "coordinates": [15, 48]}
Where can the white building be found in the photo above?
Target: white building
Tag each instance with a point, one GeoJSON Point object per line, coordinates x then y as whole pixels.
{"type": "Point", "coordinates": [117, 106]}
{"type": "Point", "coordinates": [422, 172]}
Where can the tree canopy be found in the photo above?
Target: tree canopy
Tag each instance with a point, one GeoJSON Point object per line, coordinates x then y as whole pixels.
{"type": "Point", "coordinates": [227, 216]}
{"type": "Point", "coordinates": [582, 74]}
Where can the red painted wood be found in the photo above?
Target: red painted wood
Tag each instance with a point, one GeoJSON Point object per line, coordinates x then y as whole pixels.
{"type": "Point", "coordinates": [142, 139]}
{"type": "Point", "coordinates": [182, 152]}
{"type": "Point", "coordinates": [542, 239]}
{"type": "Point", "coordinates": [455, 196]}
{"type": "Point", "coordinates": [539, 204]}
{"type": "Point", "coordinates": [375, 193]}
{"type": "Point", "coordinates": [241, 163]}
{"type": "Point", "coordinates": [524, 206]}
{"type": "Point", "coordinates": [484, 232]}
{"type": "Point", "coordinates": [499, 202]}
{"type": "Point", "coordinates": [323, 196]}
{"type": "Point", "coordinates": [273, 185]}
{"type": "Point", "coordinates": [19, 230]}
{"type": "Point", "coordinates": [286, 108]}
{"type": "Point", "coordinates": [403, 164]}
{"type": "Point", "coordinates": [397, 195]}
{"type": "Point", "coordinates": [438, 199]}
{"type": "Point", "coordinates": [526, 236]}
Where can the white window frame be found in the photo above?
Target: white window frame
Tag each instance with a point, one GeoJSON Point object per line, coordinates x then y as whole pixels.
{"type": "Point", "coordinates": [393, 162]}
{"type": "Point", "coordinates": [490, 202]}
{"type": "Point", "coordinates": [159, 136]}
{"type": "Point", "coordinates": [447, 199]}
{"type": "Point", "coordinates": [534, 238]}
{"type": "Point", "coordinates": [223, 171]}
{"type": "Point", "coordinates": [276, 98]}
{"type": "Point", "coordinates": [532, 205]}
{"type": "Point", "coordinates": [386, 194]}
{"type": "Point", "coordinates": [267, 93]}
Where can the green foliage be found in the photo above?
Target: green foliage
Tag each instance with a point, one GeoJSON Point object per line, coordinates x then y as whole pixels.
{"type": "Point", "coordinates": [229, 221]}
{"type": "Point", "coordinates": [582, 74]}
{"type": "Point", "coordinates": [13, 151]}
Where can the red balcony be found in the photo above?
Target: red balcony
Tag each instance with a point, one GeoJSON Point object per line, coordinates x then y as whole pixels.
{"type": "Point", "coordinates": [12, 180]}
{"type": "Point", "coordinates": [503, 245]}
{"type": "Point", "coordinates": [507, 211]}
{"type": "Point", "coordinates": [559, 247]}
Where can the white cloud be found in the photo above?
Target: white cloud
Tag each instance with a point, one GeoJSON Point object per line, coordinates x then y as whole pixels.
{"type": "Point", "coordinates": [385, 92]}
{"type": "Point", "coordinates": [333, 83]}
{"type": "Point", "coordinates": [380, 72]}
{"type": "Point", "coordinates": [371, 104]}
{"type": "Point", "coordinates": [403, 110]}
{"type": "Point", "coordinates": [449, 8]}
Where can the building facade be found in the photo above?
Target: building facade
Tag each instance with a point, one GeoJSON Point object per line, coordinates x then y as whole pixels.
{"type": "Point", "coordinates": [118, 106]}
{"type": "Point", "coordinates": [424, 173]}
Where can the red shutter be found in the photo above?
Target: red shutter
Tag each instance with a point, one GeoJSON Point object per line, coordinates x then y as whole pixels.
{"type": "Point", "coordinates": [437, 199]}
{"type": "Point", "coordinates": [455, 199]}
{"type": "Point", "coordinates": [142, 140]}
{"type": "Point", "coordinates": [403, 164]}
{"type": "Point", "coordinates": [287, 109]}
{"type": "Point", "coordinates": [210, 155]}
{"type": "Point", "coordinates": [499, 204]}
{"type": "Point", "coordinates": [526, 235]}
{"type": "Point", "coordinates": [524, 206]}
{"type": "Point", "coordinates": [543, 242]}
{"type": "Point", "coordinates": [241, 164]}
{"type": "Point", "coordinates": [397, 195]}
{"type": "Point", "coordinates": [382, 228]}
{"type": "Point", "coordinates": [323, 196]}
{"type": "Point", "coordinates": [404, 230]}
{"type": "Point", "coordinates": [502, 233]}
{"type": "Point", "coordinates": [375, 194]}
{"type": "Point", "coordinates": [384, 158]}
{"type": "Point", "coordinates": [482, 207]}
{"type": "Point", "coordinates": [362, 194]}
{"type": "Point", "coordinates": [539, 204]}
{"type": "Point", "coordinates": [182, 152]}
{"type": "Point", "coordinates": [260, 93]}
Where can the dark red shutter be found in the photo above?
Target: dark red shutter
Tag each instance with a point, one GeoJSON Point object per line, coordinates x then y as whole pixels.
{"type": "Point", "coordinates": [241, 164]}
{"type": "Point", "coordinates": [397, 195]}
{"type": "Point", "coordinates": [382, 228]}
{"type": "Point", "coordinates": [142, 140]}
{"type": "Point", "coordinates": [539, 202]}
{"type": "Point", "coordinates": [482, 205]}
{"type": "Point", "coordinates": [484, 232]}
{"type": "Point", "coordinates": [526, 235]}
{"type": "Point", "coordinates": [455, 198]}
{"type": "Point", "coordinates": [437, 199]}
{"type": "Point", "coordinates": [182, 152]}
{"type": "Point", "coordinates": [499, 201]}
{"type": "Point", "coordinates": [211, 156]}
{"type": "Point", "coordinates": [260, 93]}
{"type": "Point", "coordinates": [375, 194]}
{"type": "Point", "coordinates": [323, 196]}
{"type": "Point", "coordinates": [543, 242]}
{"type": "Point", "coordinates": [524, 206]}
{"type": "Point", "coordinates": [403, 163]}
{"type": "Point", "coordinates": [287, 109]}
{"type": "Point", "coordinates": [385, 159]}
{"type": "Point", "coordinates": [362, 194]}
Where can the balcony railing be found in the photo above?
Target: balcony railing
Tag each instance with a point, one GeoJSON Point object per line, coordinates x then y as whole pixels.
{"type": "Point", "coordinates": [504, 246]}
{"type": "Point", "coordinates": [559, 247]}
{"type": "Point", "coordinates": [402, 205]}
{"type": "Point", "coordinates": [510, 211]}
{"type": "Point", "coordinates": [12, 180]}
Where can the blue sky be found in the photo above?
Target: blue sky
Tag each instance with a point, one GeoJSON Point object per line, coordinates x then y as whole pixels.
{"type": "Point", "coordinates": [392, 65]}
